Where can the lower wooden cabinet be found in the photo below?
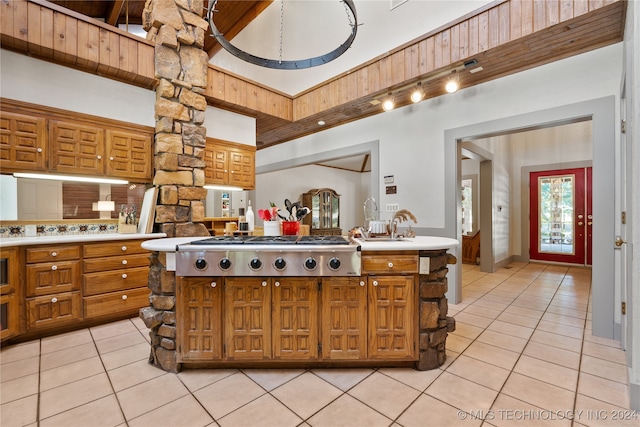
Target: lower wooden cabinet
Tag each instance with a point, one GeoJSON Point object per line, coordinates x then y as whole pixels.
{"type": "Point", "coordinates": [112, 303]}
{"type": "Point", "coordinates": [9, 290]}
{"type": "Point", "coordinates": [53, 310]}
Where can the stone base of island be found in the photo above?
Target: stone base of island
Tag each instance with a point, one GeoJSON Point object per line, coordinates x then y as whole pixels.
{"type": "Point", "coordinates": [393, 314]}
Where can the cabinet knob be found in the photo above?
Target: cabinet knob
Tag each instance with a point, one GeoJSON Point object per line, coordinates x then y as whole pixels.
{"type": "Point", "coordinates": [124, 297]}
{"type": "Point", "coordinates": [54, 253]}
{"type": "Point", "coordinates": [390, 265]}
{"type": "Point", "coordinates": [99, 157]}
{"type": "Point", "coordinates": [54, 300]}
{"type": "Point", "coordinates": [124, 248]}
{"type": "Point", "coordinates": [39, 150]}
{"type": "Point", "coordinates": [124, 262]}
{"type": "Point", "coordinates": [110, 158]}
{"type": "Point", "coordinates": [124, 275]}
{"type": "Point", "coordinates": [277, 283]}
{"type": "Point", "coordinates": [214, 284]}
{"type": "Point", "coordinates": [264, 283]}
{"type": "Point", "coordinates": [375, 283]}
{"type": "Point", "coordinates": [361, 282]}
{"type": "Point", "coordinates": [54, 267]}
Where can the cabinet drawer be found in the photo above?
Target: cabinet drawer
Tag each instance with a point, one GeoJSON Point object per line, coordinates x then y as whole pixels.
{"type": "Point", "coordinates": [100, 283]}
{"type": "Point", "coordinates": [115, 302]}
{"type": "Point", "coordinates": [93, 250]}
{"type": "Point", "coordinates": [389, 264]}
{"type": "Point", "coordinates": [52, 253]}
{"type": "Point", "coordinates": [53, 277]}
{"type": "Point", "coordinates": [53, 310]}
{"type": "Point", "coordinates": [115, 262]}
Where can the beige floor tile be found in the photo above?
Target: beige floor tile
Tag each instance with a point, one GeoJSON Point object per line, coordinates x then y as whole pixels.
{"type": "Point", "coordinates": [602, 341]}
{"type": "Point", "coordinates": [195, 379]}
{"type": "Point", "coordinates": [495, 296]}
{"type": "Point", "coordinates": [139, 323]}
{"type": "Point", "coordinates": [566, 358]}
{"type": "Point", "coordinates": [20, 412]}
{"type": "Point", "coordinates": [228, 394]}
{"type": "Point", "coordinates": [344, 379]}
{"type": "Point", "coordinates": [604, 352]}
{"type": "Point", "coordinates": [461, 393]}
{"type": "Point", "coordinates": [385, 394]}
{"type": "Point", "coordinates": [519, 320]}
{"type": "Point", "coordinates": [428, 411]}
{"type": "Point", "coordinates": [502, 340]}
{"type": "Point", "coordinates": [306, 394]}
{"type": "Point", "coordinates": [113, 329]}
{"type": "Point", "coordinates": [17, 352]}
{"type": "Point", "coordinates": [483, 311]}
{"type": "Point", "coordinates": [458, 343]}
{"type": "Point", "coordinates": [19, 368]}
{"type": "Point", "coordinates": [64, 341]}
{"type": "Point", "coordinates": [265, 411]}
{"type": "Point", "coordinates": [488, 353]}
{"type": "Point", "coordinates": [74, 394]}
{"type": "Point", "coordinates": [133, 374]}
{"type": "Point", "coordinates": [70, 355]}
{"type": "Point", "coordinates": [510, 412]}
{"type": "Point", "coordinates": [69, 373]}
{"type": "Point", "coordinates": [494, 305]}
{"type": "Point", "coordinates": [548, 372]}
{"type": "Point", "coordinates": [185, 411]}
{"type": "Point", "coordinates": [473, 319]}
{"type": "Point", "coordinates": [124, 356]}
{"type": "Point", "coordinates": [269, 379]}
{"type": "Point", "coordinates": [565, 311]}
{"type": "Point", "coordinates": [419, 380]}
{"type": "Point", "coordinates": [118, 342]}
{"type": "Point", "coordinates": [564, 320]}
{"type": "Point", "coordinates": [18, 388]}
{"type": "Point", "coordinates": [142, 398]}
{"type": "Point", "coordinates": [467, 331]}
{"type": "Point", "coordinates": [603, 368]}
{"type": "Point", "coordinates": [101, 412]}
{"type": "Point", "coordinates": [603, 389]}
{"type": "Point", "coordinates": [538, 393]}
{"type": "Point", "coordinates": [555, 340]}
{"type": "Point", "coordinates": [479, 372]}
{"type": "Point", "coordinates": [596, 413]}
{"type": "Point", "coordinates": [348, 412]}
{"type": "Point", "coordinates": [560, 329]}
{"type": "Point", "coordinates": [533, 305]}
{"type": "Point", "coordinates": [522, 311]}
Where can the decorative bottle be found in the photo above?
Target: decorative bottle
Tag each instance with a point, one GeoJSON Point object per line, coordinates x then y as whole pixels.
{"type": "Point", "coordinates": [250, 218]}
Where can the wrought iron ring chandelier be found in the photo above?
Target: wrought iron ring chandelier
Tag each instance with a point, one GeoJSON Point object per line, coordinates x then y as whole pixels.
{"type": "Point", "coordinates": [287, 64]}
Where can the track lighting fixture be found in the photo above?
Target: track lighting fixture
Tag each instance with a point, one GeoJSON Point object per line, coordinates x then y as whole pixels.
{"type": "Point", "coordinates": [453, 83]}
{"type": "Point", "coordinates": [388, 104]}
{"type": "Point", "coordinates": [418, 93]}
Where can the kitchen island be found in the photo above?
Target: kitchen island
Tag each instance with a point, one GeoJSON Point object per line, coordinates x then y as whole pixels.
{"type": "Point", "coordinates": [363, 303]}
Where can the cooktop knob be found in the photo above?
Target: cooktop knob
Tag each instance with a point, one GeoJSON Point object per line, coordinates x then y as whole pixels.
{"type": "Point", "coordinates": [280, 263]}
{"type": "Point", "coordinates": [225, 263]}
{"type": "Point", "coordinates": [334, 263]}
{"type": "Point", "coordinates": [255, 264]}
{"type": "Point", "coordinates": [310, 263]}
{"type": "Point", "coordinates": [200, 264]}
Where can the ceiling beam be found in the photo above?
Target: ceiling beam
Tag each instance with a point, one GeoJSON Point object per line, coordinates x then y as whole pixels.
{"type": "Point", "coordinates": [114, 13]}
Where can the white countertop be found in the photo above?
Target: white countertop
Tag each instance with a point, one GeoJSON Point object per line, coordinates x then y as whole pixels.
{"type": "Point", "coordinates": [75, 238]}
{"type": "Point", "coordinates": [415, 243]}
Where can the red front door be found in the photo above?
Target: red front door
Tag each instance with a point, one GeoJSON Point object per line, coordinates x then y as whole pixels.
{"type": "Point", "coordinates": [560, 216]}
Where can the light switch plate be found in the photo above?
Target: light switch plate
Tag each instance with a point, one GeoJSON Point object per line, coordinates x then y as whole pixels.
{"type": "Point", "coordinates": [392, 207]}
{"type": "Point", "coordinates": [425, 263]}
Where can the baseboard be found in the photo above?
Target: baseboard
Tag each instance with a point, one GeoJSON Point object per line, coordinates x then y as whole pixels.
{"type": "Point", "coordinates": [634, 396]}
{"type": "Point", "coordinates": [503, 263]}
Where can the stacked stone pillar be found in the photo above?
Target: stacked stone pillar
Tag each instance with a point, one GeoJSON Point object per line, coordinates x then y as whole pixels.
{"type": "Point", "coordinates": [179, 31]}
{"type": "Point", "coordinates": [434, 323]}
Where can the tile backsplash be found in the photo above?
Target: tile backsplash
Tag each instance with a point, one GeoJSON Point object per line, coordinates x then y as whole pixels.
{"type": "Point", "coordinates": [53, 228]}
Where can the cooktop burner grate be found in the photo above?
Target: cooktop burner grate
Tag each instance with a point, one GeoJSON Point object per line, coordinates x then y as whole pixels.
{"type": "Point", "coordinates": [272, 240]}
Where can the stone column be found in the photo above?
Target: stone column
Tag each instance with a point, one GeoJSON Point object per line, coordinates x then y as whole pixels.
{"type": "Point", "coordinates": [433, 306]}
{"type": "Point", "coordinates": [178, 30]}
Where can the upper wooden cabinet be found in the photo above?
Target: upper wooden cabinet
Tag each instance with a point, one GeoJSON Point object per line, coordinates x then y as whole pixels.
{"type": "Point", "coordinates": [22, 142]}
{"type": "Point", "coordinates": [228, 163]}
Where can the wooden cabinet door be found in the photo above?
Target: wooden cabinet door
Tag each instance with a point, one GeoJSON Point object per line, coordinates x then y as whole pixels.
{"type": "Point", "coordinates": [53, 310]}
{"type": "Point", "coordinates": [247, 318]}
{"type": "Point", "coordinates": [22, 142]}
{"type": "Point", "coordinates": [242, 169]}
{"type": "Point", "coordinates": [52, 277]}
{"type": "Point", "coordinates": [76, 148]}
{"type": "Point", "coordinates": [344, 318]}
{"type": "Point", "coordinates": [391, 317]}
{"type": "Point", "coordinates": [295, 318]}
{"type": "Point", "coordinates": [199, 318]}
{"type": "Point", "coordinates": [216, 161]}
{"type": "Point", "coordinates": [9, 316]}
{"type": "Point", "coordinates": [128, 155]}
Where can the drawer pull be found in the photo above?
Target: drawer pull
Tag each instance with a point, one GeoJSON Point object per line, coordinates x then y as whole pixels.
{"type": "Point", "coordinates": [124, 297]}
{"type": "Point", "coordinates": [54, 300]}
{"type": "Point", "coordinates": [264, 283]}
{"type": "Point", "coordinates": [124, 275]}
{"type": "Point", "coordinates": [124, 248]}
{"type": "Point", "coordinates": [39, 150]}
{"type": "Point", "coordinates": [54, 253]}
{"type": "Point", "coordinates": [390, 265]}
{"type": "Point", "coordinates": [99, 157]}
{"type": "Point", "coordinates": [277, 284]}
{"type": "Point", "coordinates": [361, 282]}
{"type": "Point", "coordinates": [214, 284]}
{"type": "Point", "coordinates": [110, 158]}
{"type": "Point", "coordinates": [124, 262]}
{"type": "Point", "coordinates": [54, 267]}
{"type": "Point", "coordinates": [375, 283]}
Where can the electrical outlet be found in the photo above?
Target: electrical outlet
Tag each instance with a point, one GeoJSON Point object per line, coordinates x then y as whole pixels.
{"type": "Point", "coordinates": [392, 207]}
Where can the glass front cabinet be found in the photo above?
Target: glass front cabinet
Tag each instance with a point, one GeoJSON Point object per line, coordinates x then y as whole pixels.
{"type": "Point", "coordinates": [8, 289]}
{"type": "Point", "coordinates": [324, 219]}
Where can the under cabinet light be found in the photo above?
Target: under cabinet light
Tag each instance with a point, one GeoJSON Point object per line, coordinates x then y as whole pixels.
{"type": "Point", "coordinates": [223, 187]}
{"type": "Point", "coordinates": [70, 178]}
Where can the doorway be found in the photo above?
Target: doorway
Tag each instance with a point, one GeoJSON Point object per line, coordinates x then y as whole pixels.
{"type": "Point", "coordinates": [561, 216]}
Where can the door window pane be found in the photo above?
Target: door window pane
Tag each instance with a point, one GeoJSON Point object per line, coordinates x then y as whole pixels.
{"type": "Point", "coordinates": [556, 214]}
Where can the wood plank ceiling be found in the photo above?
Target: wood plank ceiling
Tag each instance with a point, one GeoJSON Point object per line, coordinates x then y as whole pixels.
{"type": "Point", "coordinates": [503, 38]}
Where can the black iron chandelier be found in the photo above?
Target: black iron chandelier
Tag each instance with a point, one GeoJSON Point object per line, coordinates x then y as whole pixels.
{"type": "Point", "coordinates": [287, 64]}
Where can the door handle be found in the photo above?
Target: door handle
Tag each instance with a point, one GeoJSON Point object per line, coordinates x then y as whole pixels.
{"type": "Point", "coordinates": [619, 241]}
{"type": "Point", "coordinates": [580, 223]}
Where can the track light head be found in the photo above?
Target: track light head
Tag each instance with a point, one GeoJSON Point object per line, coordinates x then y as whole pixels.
{"type": "Point", "coordinates": [418, 93]}
{"type": "Point", "coordinates": [388, 104]}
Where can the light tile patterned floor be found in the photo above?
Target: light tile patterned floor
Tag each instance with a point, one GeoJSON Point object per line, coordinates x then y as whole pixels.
{"type": "Point", "coordinates": [522, 354]}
